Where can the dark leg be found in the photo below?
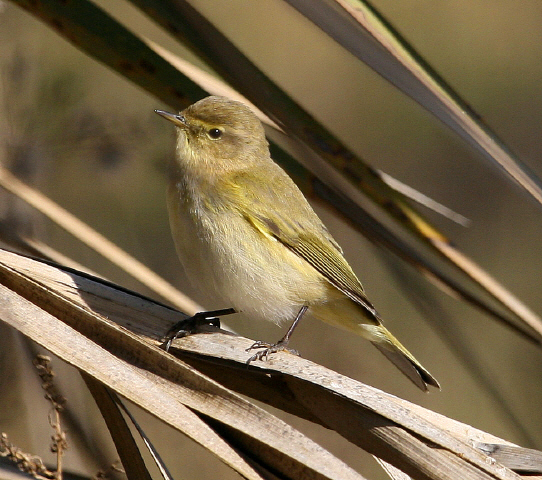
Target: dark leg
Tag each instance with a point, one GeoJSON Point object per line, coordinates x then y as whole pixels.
{"type": "Point", "coordinates": [193, 324]}
{"type": "Point", "coordinates": [281, 345]}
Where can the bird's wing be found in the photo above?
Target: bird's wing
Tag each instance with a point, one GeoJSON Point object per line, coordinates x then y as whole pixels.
{"type": "Point", "coordinates": [283, 213]}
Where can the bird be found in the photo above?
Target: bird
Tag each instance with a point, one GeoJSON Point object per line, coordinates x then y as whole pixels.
{"type": "Point", "coordinates": [245, 233]}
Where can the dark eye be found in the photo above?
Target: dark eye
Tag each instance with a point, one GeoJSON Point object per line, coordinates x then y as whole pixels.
{"type": "Point", "coordinates": [215, 133]}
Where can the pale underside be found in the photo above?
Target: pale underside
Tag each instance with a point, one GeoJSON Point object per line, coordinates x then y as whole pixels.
{"type": "Point", "coordinates": [240, 267]}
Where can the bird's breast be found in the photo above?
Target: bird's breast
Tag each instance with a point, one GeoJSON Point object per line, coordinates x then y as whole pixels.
{"type": "Point", "coordinates": [226, 257]}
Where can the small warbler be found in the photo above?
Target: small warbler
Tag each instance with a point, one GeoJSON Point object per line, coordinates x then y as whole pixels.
{"type": "Point", "coordinates": [246, 234]}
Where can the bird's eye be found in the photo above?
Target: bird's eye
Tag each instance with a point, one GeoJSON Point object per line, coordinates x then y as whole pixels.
{"type": "Point", "coordinates": [214, 133]}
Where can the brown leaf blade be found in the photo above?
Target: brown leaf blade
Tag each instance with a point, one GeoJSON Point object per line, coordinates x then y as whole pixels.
{"type": "Point", "coordinates": [144, 374]}
{"type": "Point", "coordinates": [129, 453]}
{"type": "Point", "coordinates": [372, 419]}
{"type": "Point", "coordinates": [106, 369]}
{"type": "Point", "coordinates": [364, 32]}
{"type": "Point", "coordinates": [382, 424]}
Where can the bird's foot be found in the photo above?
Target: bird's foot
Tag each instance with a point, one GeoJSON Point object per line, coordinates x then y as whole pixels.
{"type": "Point", "coordinates": [268, 350]}
{"type": "Point", "coordinates": [198, 323]}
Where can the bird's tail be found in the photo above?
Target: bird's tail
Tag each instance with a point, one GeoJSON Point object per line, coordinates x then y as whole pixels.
{"type": "Point", "coordinates": [403, 359]}
{"type": "Point", "coordinates": [345, 313]}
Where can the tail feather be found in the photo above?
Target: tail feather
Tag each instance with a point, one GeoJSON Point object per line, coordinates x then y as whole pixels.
{"type": "Point", "coordinates": [404, 360]}
{"type": "Point", "coordinates": [354, 317]}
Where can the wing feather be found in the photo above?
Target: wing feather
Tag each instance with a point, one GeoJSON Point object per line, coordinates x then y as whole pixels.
{"type": "Point", "coordinates": [331, 264]}
{"type": "Point", "coordinates": [301, 231]}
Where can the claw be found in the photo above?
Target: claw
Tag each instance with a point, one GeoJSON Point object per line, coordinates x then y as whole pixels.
{"type": "Point", "coordinates": [268, 350]}
{"type": "Point", "coordinates": [194, 324]}
{"type": "Point", "coordinates": [280, 346]}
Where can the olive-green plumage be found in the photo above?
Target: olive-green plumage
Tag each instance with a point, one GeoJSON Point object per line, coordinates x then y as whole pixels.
{"type": "Point", "coordinates": [245, 233]}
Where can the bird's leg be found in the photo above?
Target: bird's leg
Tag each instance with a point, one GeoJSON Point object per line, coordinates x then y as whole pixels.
{"type": "Point", "coordinates": [193, 324]}
{"type": "Point", "coordinates": [281, 345]}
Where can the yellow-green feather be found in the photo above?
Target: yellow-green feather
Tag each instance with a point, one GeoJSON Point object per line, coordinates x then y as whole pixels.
{"type": "Point", "coordinates": [301, 231]}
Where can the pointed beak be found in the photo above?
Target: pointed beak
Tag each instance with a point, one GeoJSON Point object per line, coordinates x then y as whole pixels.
{"type": "Point", "coordinates": [178, 120]}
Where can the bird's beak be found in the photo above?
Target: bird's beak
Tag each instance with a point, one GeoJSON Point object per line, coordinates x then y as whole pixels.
{"type": "Point", "coordinates": [178, 120]}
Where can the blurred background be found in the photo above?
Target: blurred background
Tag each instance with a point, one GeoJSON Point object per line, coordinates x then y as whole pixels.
{"type": "Point", "coordinates": [90, 140]}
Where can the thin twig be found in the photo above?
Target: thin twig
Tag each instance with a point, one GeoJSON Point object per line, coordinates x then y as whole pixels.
{"type": "Point", "coordinates": [26, 462]}
{"type": "Point", "coordinates": [59, 443]}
